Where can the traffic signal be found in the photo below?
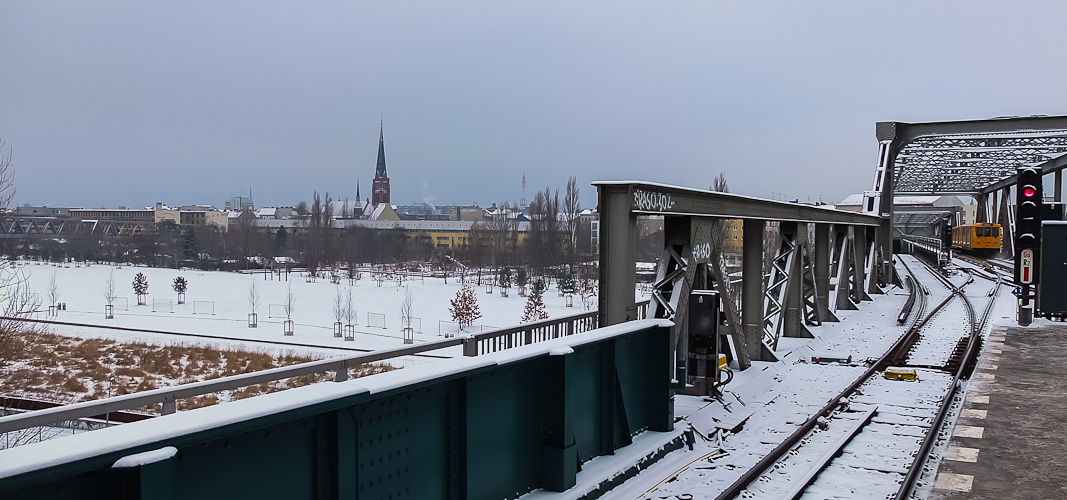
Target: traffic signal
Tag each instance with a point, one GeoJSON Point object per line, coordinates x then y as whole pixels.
{"type": "Point", "coordinates": [1027, 225]}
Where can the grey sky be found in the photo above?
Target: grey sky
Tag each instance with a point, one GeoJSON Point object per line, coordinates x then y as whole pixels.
{"type": "Point", "coordinates": [107, 103]}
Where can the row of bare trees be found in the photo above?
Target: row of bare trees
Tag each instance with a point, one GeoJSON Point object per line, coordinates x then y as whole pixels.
{"type": "Point", "coordinates": [17, 300]}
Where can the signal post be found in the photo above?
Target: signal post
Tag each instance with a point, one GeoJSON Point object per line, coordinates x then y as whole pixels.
{"type": "Point", "coordinates": [1028, 198]}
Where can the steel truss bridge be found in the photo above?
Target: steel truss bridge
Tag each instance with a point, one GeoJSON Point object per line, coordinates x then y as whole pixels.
{"type": "Point", "coordinates": [976, 158]}
{"type": "Point", "coordinates": [15, 226]}
{"type": "Point", "coordinates": [526, 408]}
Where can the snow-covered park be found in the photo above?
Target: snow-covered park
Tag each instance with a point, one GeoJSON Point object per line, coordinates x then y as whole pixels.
{"type": "Point", "coordinates": [217, 306]}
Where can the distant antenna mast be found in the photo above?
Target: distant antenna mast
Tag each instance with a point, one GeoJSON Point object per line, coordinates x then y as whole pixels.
{"type": "Point", "coordinates": [522, 202]}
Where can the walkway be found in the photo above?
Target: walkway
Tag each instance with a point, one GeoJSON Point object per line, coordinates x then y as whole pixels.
{"type": "Point", "coordinates": [1010, 441]}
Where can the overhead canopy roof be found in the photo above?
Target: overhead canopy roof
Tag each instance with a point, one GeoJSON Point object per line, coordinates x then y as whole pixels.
{"type": "Point", "coordinates": [973, 156]}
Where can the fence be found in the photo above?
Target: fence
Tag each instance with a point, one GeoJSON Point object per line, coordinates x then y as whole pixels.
{"type": "Point", "coordinates": [162, 305]}
{"type": "Point", "coordinates": [469, 433]}
{"type": "Point", "coordinates": [169, 395]}
{"type": "Point", "coordinates": [537, 331]}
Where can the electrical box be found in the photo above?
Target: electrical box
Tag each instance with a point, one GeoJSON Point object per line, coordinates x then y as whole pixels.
{"type": "Point", "coordinates": [1052, 294]}
{"type": "Point", "coordinates": [703, 344]}
{"type": "Point", "coordinates": [1052, 210]}
{"type": "Point", "coordinates": [703, 312]}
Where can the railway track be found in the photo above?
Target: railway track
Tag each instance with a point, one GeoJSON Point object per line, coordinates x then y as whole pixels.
{"type": "Point", "coordinates": [873, 439]}
{"type": "Point", "coordinates": [996, 267]}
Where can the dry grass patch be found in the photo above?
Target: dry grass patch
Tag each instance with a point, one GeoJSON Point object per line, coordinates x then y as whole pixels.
{"type": "Point", "coordinates": [71, 369]}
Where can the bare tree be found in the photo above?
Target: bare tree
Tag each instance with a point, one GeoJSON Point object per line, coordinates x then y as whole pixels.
{"type": "Point", "coordinates": [338, 305]}
{"type": "Point", "coordinates": [7, 180]}
{"type": "Point", "coordinates": [253, 295]}
{"type": "Point", "coordinates": [406, 307]}
{"type": "Point", "coordinates": [501, 229]}
{"type": "Point", "coordinates": [571, 207]}
{"type": "Point", "coordinates": [718, 237]}
{"type": "Point", "coordinates": [543, 243]}
{"type": "Point", "coordinates": [18, 303]}
{"type": "Point", "coordinates": [290, 301]}
{"type": "Point", "coordinates": [16, 298]}
{"type": "Point", "coordinates": [109, 288]}
{"type": "Point", "coordinates": [350, 310]}
{"type": "Point", "coordinates": [53, 290]}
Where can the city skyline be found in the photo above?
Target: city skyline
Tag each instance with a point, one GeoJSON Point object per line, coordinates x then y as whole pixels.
{"type": "Point", "coordinates": [120, 103]}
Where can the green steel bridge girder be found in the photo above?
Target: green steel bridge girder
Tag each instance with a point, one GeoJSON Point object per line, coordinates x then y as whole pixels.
{"type": "Point", "coordinates": [488, 430]}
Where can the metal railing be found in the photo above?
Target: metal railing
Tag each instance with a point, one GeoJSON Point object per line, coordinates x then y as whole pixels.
{"type": "Point", "coordinates": [473, 345]}
{"type": "Point", "coordinates": [169, 395]}
{"type": "Point", "coordinates": [537, 331]}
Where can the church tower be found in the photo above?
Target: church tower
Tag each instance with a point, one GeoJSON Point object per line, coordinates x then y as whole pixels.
{"type": "Point", "coordinates": [380, 187]}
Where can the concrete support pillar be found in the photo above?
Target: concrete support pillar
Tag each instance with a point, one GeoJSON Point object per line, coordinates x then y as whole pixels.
{"type": "Point", "coordinates": [618, 241]}
{"type": "Point", "coordinates": [822, 272]}
{"type": "Point", "coordinates": [752, 286]}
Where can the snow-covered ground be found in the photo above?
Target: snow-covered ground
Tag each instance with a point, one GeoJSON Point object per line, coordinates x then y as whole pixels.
{"type": "Point", "coordinates": [226, 293]}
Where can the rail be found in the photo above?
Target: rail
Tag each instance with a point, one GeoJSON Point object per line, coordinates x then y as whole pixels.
{"type": "Point", "coordinates": [908, 485]}
{"type": "Point", "coordinates": [912, 293]}
{"type": "Point", "coordinates": [894, 356]}
{"type": "Point", "coordinates": [482, 343]}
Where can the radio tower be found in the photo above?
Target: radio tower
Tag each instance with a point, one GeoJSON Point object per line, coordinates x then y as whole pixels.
{"type": "Point", "coordinates": [522, 201]}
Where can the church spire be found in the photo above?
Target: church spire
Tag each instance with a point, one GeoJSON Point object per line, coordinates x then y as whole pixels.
{"type": "Point", "coordinates": [380, 185]}
{"type": "Point", "coordinates": [380, 171]}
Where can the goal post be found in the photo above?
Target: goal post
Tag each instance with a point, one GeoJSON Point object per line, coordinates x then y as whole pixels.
{"type": "Point", "coordinates": [376, 320]}
{"type": "Point", "coordinates": [276, 311]}
{"type": "Point", "coordinates": [204, 307]}
{"type": "Point", "coordinates": [162, 305]}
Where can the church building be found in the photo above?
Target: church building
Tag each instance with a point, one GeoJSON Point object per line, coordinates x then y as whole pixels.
{"type": "Point", "coordinates": [380, 187]}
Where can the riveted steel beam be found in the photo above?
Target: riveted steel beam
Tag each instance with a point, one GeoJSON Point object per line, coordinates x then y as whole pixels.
{"type": "Point", "coordinates": [660, 199]}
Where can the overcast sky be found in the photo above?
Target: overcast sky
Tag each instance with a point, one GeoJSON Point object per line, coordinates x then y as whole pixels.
{"type": "Point", "coordinates": [128, 103]}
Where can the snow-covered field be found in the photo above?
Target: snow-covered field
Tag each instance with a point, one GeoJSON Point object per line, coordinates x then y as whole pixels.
{"type": "Point", "coordinates": [226, 293]}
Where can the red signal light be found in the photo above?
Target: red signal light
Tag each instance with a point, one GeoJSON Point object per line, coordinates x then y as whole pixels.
{"type": "Point", "coordinates": [1029, 192]}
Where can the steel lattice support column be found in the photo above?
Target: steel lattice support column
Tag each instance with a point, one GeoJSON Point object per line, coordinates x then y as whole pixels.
{"type": "Point", "coordinates": [859, 255]}
{"type": "Point", "coordinates": [1001, 216]}
{"type": "Point", "coordinates": [794, 305]}
{"type": "Point", "coordinates": [752, 286]}
{"type": "Point", "coordinates": [1058, 191]}
{"type": "Point", "coordinates": [822, 271]}
{"type": "Point", "coordinates": [618, 241]}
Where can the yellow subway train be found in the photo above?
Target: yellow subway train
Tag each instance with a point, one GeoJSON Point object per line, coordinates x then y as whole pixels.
{"type": "Point", "coordinates": [981, 239]}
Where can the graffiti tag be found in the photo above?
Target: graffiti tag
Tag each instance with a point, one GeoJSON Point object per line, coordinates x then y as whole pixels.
{"type": "Point", "coordinates": [702, 252]}
{"type": "Point", "coordinates": [652, 201]}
